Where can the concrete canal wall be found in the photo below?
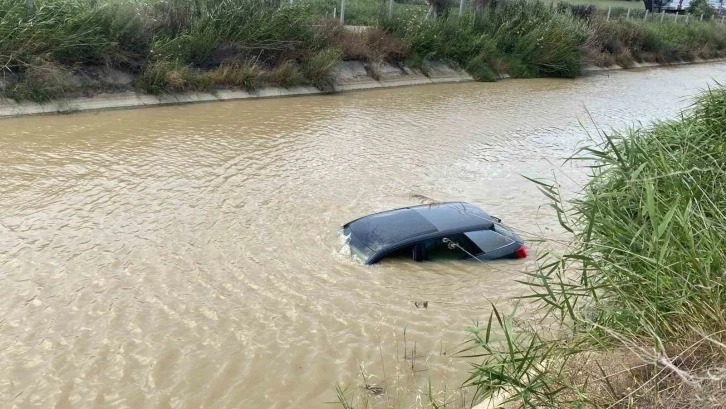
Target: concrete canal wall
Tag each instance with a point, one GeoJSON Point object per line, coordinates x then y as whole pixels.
{"type": "Point", "coordinates": [353, 75]}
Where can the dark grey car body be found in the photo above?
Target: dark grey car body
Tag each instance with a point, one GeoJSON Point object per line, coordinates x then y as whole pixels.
{"type": "Point", "coordinates": [378, 235]}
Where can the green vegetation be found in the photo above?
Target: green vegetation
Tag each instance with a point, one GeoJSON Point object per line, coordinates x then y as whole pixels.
{"type": "Point", "coordinates": [625, 42]}
{"type": "Point", "coordinates": [701, 8]}
{"type": "Point", "coordinates": [523, 39]}
{"type": "Point", "coordinates": [530, 39]}
{"type": "Point", "coordinates": [56, 47]}
{"type": "Point", "coordinates": [175, 45]}
{"type": "Point", "coordinates": [644, 277]}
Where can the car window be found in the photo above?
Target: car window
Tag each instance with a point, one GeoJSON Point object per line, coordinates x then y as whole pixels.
{"type": "Point", "coordinates": [451, 247]}
{"type": "Point", "coordinates": [506, 231]}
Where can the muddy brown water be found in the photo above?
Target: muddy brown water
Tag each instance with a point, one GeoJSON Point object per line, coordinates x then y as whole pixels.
{"type": "Point", "coordinates": [190, 256]}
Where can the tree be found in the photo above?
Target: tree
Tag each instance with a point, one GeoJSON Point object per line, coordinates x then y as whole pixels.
{"type": "Point", "coordinates": [699, 7]}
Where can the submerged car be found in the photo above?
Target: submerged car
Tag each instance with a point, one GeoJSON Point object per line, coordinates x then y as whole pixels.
{"type": "Point", "coordinates": [454, 230]}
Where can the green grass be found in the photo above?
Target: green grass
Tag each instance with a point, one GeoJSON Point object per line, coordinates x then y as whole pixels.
{"type": "Point", "coordinates": [524, 39]}
{"type": "Point", "coordinates": [171, 46]}
{"type": "Point", "coordinates": [367, 12]}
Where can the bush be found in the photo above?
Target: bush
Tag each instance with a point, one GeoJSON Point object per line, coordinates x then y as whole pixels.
{"type": "Point", "coordinates": [73, 32]}
{"type": "Point", "coordinates": [165, 76]}
{"type": "Point", "coordinates": [661, 42]}
{"type": "Point", "coordinates": [167, 43]}
{"type": "Point", "coordinates": [546, 42]}
{"type": "Point", "coordinates": [41, 81]}
{"type": "Point", "coordinates": [369, 45]}
{"type": "Point", "coordinates": [322, 69]}
{"type": "Point", "coordinates": [287, 75]}
{"type": "Point", "coordinates": [581, 11]}
{"type": "Point", "coordinates": [701, 7]}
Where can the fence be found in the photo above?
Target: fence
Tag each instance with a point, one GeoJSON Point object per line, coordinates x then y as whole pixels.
{"type": "Point", "coordinates": [635, 14]}
{"type": "Point", "coordinates": [369, 12]}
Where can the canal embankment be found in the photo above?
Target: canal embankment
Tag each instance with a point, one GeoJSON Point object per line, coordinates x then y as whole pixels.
{"type": "Point", "coordinates": [69, 55]}
{"type": "Point", "coordinates": [352, 76]}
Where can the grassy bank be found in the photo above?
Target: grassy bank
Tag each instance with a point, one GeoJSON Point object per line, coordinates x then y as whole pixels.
{"type": "Point", "coordinates": [639, 296]}
{"type": "Point", "coordinates": [531, 39]}
{"type": "Point", "coordinates": [67, 47]}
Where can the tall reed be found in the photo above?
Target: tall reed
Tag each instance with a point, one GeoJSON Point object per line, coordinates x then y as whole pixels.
{"type": "Point", "coordinates": [644, 276]}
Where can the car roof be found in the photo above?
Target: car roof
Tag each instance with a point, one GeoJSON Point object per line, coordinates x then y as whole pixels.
{"type": "Point", "coordinates": [389, 230]}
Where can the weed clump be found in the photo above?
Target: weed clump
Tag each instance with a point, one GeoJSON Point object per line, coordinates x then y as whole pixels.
{"type": "Point", "coordinates": [322, 69]}
{"type": "Point", "coordinates": [287, 74]}
{"type": "Point", "coordinates": [42, 81]}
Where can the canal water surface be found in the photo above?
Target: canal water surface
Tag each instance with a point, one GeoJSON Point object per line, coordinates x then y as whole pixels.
{"type": "Point", "coordinates": [190, 256]}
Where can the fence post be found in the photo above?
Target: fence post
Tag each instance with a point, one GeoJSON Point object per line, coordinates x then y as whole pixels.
{"type": "Point", "coordinates": [609, 10]}
{"type": "Point", "coordinates": [701, 19]}
{"type": "Point", "coordinates": [722, 20]}
{"type": "Point", "coordinates": [662, 15]}
{"type": "Point", "coordinates": [390, 9]}
{"type": "Point", "coordinates": [645, 18]}
{"type": "Point", "coordinates": [627, 17]}
{"type": "Point", "coordinates": [342, 12]}
{"type": "Point", "coordinates": [335, 12]}
{"type": "Point", "coordinates": [461, 8]}
{"type": "Point", "coordinates": [29, 7]}
{"type": "Point", "coordinates": [688, 16]}
{"type": "Point", "coordinates": [291, 2]}
{"type": "Point", "coordinates": [676, 17]}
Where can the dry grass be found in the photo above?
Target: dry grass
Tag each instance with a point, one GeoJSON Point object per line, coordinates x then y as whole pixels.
{"type": "Point", "coordinates": [247, 76]}
{"type": "Point", "coordinates": [624, 58]}
{"type": "Point", "coordinates": [42, 81]}
{"type": "Point", "coordinates": [288, 74]}
{"type": "Point", "coordinates": [603, 60]}
{"type": "Point", "coordinates": [373, 45]}
{"type": "Point", "coordinates": [695, 378]}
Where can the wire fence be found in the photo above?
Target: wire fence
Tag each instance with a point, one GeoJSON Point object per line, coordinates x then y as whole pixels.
{"type": "Point", "coordinates": [364, 12]}
{"type": "Point", "coordinates": [663, 16]}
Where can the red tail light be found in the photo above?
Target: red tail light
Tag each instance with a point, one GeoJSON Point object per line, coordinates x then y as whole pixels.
{"type": "Point", "coordinates": [521, 252]}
